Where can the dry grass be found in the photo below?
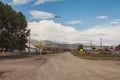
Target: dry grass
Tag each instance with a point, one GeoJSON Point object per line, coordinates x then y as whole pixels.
{"type": "Point", "coordinates": [96, 57]}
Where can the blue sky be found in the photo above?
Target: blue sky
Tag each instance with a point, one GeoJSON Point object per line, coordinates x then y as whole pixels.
{"type": "Point", "coordinates": [82, 16]}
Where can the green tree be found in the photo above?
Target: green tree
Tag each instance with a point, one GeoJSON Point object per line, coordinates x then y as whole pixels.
{"type": "Point", "coordinates": [80, 47]}
{"type": "Point", "coordinates": [13, 32]}
{"type": "Point", "coordinates": [93, 48]}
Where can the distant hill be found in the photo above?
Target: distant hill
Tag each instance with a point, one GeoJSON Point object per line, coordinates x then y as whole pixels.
{"type": "Point", "coordinates": [59, 44]}
{"type": "Point", "coordinates": [35, 42]}
{"type": "Point", "coordinates": [54, 43]}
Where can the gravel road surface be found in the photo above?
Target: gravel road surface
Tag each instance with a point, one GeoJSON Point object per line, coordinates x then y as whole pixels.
{"type": "Point", "coordinates": [62, 66]}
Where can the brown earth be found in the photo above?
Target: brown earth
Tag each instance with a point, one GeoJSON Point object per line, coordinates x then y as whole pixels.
{"type": "Point", "coordinates": [62, 66]}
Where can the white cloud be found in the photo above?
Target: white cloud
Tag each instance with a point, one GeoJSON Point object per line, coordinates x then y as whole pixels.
{"type": "Point", "coordinates": [75, 22]}
{"type": "Point", "coordinates": [44, 1]}
{"type": "Point", "coordinates": [101, 17]}
{"type": "Point", "coordinates": [41, 15]}
{"type": "Point", "coordinates": [10, 3]}
{"type": "Point", "coordinates": [20, 2]}
{"type": "Point", "coordinates": [35, 2]}
{"type": "Point", "coordinates": [50, 30]}
{"type": "Point", "coordinates": [116, 21]}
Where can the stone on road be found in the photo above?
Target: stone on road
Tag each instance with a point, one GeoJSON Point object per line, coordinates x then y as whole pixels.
{"type": "Point", "coordinates": [62, 66]}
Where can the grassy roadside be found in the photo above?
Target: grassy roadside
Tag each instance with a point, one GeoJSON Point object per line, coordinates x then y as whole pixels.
{"type": "Point", "coordinates": [14, 57]}
{"type": "Point", "coordinates": [96, 57]}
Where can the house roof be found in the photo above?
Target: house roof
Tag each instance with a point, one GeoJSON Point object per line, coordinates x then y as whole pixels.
{"type": "Point", "coordinates": [31, 46]}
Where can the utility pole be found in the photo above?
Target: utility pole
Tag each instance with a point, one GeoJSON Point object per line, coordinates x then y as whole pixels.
{"type": "Point", "coordinates": [40, 49]}
{"type": "Point", "coordinates": [29, 42]}
{"type": "Point", "coordinates": [29, 45]}
{"type": "Point", "coordinates": [101, 43]}
{"type": "Point", "coordinates": [91, 45]}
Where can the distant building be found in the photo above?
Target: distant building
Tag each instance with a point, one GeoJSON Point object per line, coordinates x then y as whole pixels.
{"type": "Point", "coordinates": [116, 51]}
{"type": "Point", "coordinates": [87, 49]}
{"type": "Point", "coordinates": [31, 48]}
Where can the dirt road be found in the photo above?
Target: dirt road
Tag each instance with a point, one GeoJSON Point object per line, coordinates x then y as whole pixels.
{"type": "Point", "coordinates": [62, 66]}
